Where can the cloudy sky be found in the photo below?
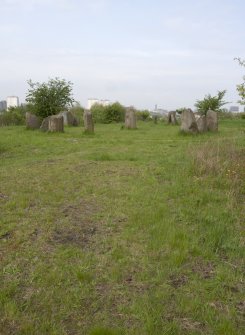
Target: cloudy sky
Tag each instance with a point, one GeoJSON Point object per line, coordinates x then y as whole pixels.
{"type": "Point", "coordinates": [137, 52]}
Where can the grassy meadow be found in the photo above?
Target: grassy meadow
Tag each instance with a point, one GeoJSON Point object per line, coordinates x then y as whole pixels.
{"type": "Point", "coordinates": [135, 232]}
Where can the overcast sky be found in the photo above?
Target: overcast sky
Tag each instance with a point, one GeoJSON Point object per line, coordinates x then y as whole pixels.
{"type": "Point", "coordinates": [137, 52]}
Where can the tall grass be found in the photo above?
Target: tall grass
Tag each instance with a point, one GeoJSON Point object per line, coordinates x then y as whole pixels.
{"type": "Point", "coordinates": [122, 232]}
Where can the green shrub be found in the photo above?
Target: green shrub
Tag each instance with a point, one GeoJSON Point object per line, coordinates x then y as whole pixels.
{"type": "Point", "coordinates": [98, 112]}
{"type": "Point", "coordinates": [214, 103]}
{"type": "Point", "coordinates": [143, 115]}
{"type": "Point", "coordinates": [114, 113]}
{"type": "Point", "coordinates": [13, 116]}
{"type": "Point", "coordinates": [108, 114]}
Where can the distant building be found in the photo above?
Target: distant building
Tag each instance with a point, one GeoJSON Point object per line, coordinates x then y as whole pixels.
{"type": "Point", "coordinates": [12, 101]}
{"type": "Point", "coordinates": [158, 111]}
{"type": "Point", "coordinates": [93, 101]}
{"type": "Point", "coordinates": [234, 109]}
{"type": "Point", "coordinates": [3, 105]}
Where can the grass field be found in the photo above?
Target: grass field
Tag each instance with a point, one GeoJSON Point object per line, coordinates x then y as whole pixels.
{"type": "Point", "coordinates": [124, 232]}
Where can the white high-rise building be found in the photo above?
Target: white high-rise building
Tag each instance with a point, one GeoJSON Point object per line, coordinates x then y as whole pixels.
{"type": "Point", "coordinates": [12, 101]}
{"type": "Point", "coordinates": [93, 101]}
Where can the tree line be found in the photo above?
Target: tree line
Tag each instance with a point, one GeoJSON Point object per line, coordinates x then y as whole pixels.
{"type": "Point", "coordinates": [55, 96]}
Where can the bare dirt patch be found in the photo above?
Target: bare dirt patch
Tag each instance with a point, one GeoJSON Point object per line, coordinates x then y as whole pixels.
{"type": "Point", "coordinates": [3, 196]}
{"type": "Point", "coordinates": [178, 281]}
{"type": "Point", "coordinates": [206, 270]}
{"type": "Point", "coordinates": [188, 324]}
{"type": "Point", "coordinates": [8, 327]}
{"type": "Point", "coordinates": [240, 307]}
{"type": "Point", "coordinates": [76, 224]}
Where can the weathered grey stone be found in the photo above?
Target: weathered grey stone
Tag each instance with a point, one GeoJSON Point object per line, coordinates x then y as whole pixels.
{"type": "Point", "coordinates": [201, 123]}
{"type": "Point", "coordinates": [172, 117]}
{"type": "Point", "coordinates": [130, 118]}
{"type": "Point", "coordinates": [69, 118]}
{"type": "Point", "coordinates": [155, 119]}
{"type": "Point", "coordinates": [45, 124]}
{"type": "Point", "coordinates": [88, 122]}
{"type": "Point", "coordinates": [188, 122]}
{"type": "Point", "coordinates": [32, 121]}
{"type": "Point", "coordinates": [75, 122]}
{"type": "Point", "coordinates": [56, 123]}
{"type": "Point", "coordinates": [212, 120]}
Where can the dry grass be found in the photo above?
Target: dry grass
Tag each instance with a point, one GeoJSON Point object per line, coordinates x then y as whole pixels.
{"type": "Point", "coordinates": [224, 159]}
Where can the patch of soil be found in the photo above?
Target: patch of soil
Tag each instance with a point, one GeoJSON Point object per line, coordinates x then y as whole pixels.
{"type": "Point", "coordinates": [8, 327]}
{"type": "Point", "coordinates": [76, 224]}
{"type": "Point", "coordinates": [6, 236]}
{"type": "Point", "coordinates": [178, 281]}
{"type": "Point", "coordinates": [79, 235]}
{"type": "Point", "coordinates": [240, 307]}
{"type": "Point", "coordinates": [219, 306]}
{"type": "Point", "coordinates": [3, 196]}
{"type": "Point", "coordinates": [190, 325]}
{"type": "Point", "coordinates": [205, 270]}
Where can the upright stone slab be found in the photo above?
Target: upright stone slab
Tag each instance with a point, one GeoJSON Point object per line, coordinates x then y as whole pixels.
{"type": "Point", "coordinates": [201, 123]}
{"type": "Point", "coordinates": [172, 117]}
{"type": "Point", "coordinates": [45, 124]}
{"type": "Point", "coordinates": [69, 118]}
{"type": "Point", "coordinates": [56, 123]}
{"type": "Point", "coordinates": [130, 118]}
{"type": "Point", "coordinates": [32, 121]}
{"type": "Point", "coordinates": [75, 122]}
{"type": "Point", "coordinates": [212, 120]}
{"type": "Point", "coordinates": [188, 122]}
{"type": "Point", "coordinates": [88, 122]}
{"type": "Point", "coordinates": [155, 119]}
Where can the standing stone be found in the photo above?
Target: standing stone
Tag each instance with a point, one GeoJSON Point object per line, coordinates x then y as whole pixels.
{"type": "Point", "coordinates": [201, 123]}
{"type": "Point", "coordinates": [45, 124]}
{"type": "Point", "coordinates": [88, 122]}
{"type": "Point", "coordinates": [130, 118]}
{"type": "Point", "coordinates": [75, 122]}
{"type": "Point", "coordinates": [56, 123]}
{"type": "Point", "coordinates": [32, 121]}
{"type": "Point", "coordinates": [155, 119]}
{"type": "Point", "coordinates": [69, 118]}
{"type": "Point", "coordinates": [188, 122]}
{"type": "Point", "coordinates": [212, 120]}
{"type": "Point", "coordinates": [172, 118]}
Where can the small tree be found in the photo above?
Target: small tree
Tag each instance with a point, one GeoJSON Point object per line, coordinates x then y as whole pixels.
{"type": "Point", "coordinates": [214, 103]}
{"type": "Point", "coordinates": [50, 98]}
{"type": "Point", "coordinates": [241, 87]}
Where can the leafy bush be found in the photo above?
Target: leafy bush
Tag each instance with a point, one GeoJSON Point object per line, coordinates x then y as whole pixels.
{"type": "Point", "coordinates": [241, 87]}
{"type": "Point", "coordinates": [108, 114]}
{"type": "Point", "coordinates": [98, 112]}
{"type": "Point", "coordinates": [14, 116]}
{"type": "Point", "coordinates": [50, 98]}
{"type": "Point", "coordinates": [114, 113]}
{"type": "Point", "coordinates": [143, 115]}
{"type": "Point", "coordinates": [214, 103]}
